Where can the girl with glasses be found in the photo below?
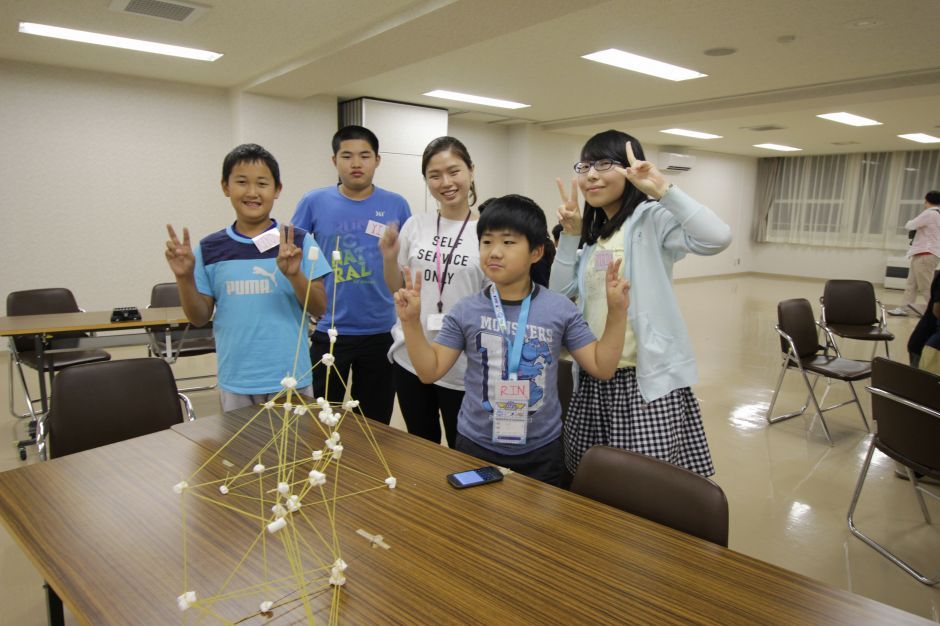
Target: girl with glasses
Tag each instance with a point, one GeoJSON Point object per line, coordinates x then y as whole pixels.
{"type": "Point", "coordinates": [631, 212]}
{"type": "Point", "coordinates": [442, 245]}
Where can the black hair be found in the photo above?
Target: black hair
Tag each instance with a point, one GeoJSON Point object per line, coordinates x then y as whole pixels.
{"type": "Point", "coordinates": [443, 144]}
{"type": "Point", "coordinates": [933, 197]}
{"type": "Point", "coordinates": [483, 205]}
{"type": "Point", "coordinates": [250, 153]}
{"type": "Point", "coordinates": [351, 132]}
{"type": "Point", "coordinates": [556, 232]}
{"type": "Point", "coordinates": [610, 144]}
{"type": "Point", "coordinates": [517, 214]}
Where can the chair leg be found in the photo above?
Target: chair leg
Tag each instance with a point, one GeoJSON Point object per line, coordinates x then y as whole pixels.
{"type": "Point", "coordinates": [868, 540]}
{"type": "Point", "coordinates": [860, 410]}
{"type": "Point", "coordinates": [773, 401]}
{"type": "Point", "coordinates": [887, 350]}
{"type": "Point", "coordinates": [920, 497]}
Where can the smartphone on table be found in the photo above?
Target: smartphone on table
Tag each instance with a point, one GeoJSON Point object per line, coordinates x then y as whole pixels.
{"type": "Point", "coordinates": [474, 477]}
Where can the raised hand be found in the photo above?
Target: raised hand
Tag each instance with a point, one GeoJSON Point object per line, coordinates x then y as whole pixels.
{"type": "Point", "coordinates": [179, 254]}
{"type": "Point", "coordinates": [389, 244]}
{"type": "Point", "coordinates": [289, 255]}
{"type": "Point", "coordinates": [408, 298]}
{"type": "Point", "coordinates": [618, 288]}
{"type": "Point", "coordinates": [569, 213]}
{"type": "Point", "coordinates": [644, 175]}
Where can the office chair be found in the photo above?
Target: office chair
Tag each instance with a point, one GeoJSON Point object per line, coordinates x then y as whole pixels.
{"type": "Point", "coordinates": [23, 349]}
{"type": "Point", "coordinates": [653, 489]}
{"type": "Point", "coordinates": [167, 295]}
{"type": "Point", "coordinates": [799, 342]}
{"type": "Point", "coordinates": [97, 404]}
{"type": "Point", "coordinates": [849, 310]}
{"type": "Point", "coordinates": [905, 402]}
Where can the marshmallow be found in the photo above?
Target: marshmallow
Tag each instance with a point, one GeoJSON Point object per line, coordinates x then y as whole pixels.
{"type": "Point", "coordinates": [300, 409]}
{"type": "Point", "coordinates": [317, 478]}
{"type": "Point", "coordinates": [257, 469]}
{"type": "Point", "coordinates": [288, 406]}
{"type": "Point", "coordinates": [337, 451]}
{"type": "Point", "coordinates": [328, 359]}
{"type": "Point", "coordinates": [269, 404]}
{"type": "Point", "coordinates": [293, 503]}
{"type": "Point", "coordinates": [265, 607]}
{"type": "Point", "coordinates": [340, 565]}
{"type": "Point", "coordinates": [337, 255]}
{"type": "Point", "coordinates": [335, 436]}
{"type": "Point", "coordinates": [283, 488]}
{"type": "Point", "coordinates": [313, 253]}
{"type": "Point", "coordinates": [337, 579]}
{"type": "Point", "coordinates": [351, 404]}
{"type": "Point", "coordinates": [186, 600]}
{"type": "Point", "coordinates": [277, 525]}
{"type": "Point", "coordinates": [223, 489]}
{"type": "Point", "coordinates": [278, 510]}
{"type": "Point", "coordinates": [333, 333]}
{"type": "Point", "coordinates": [317, 455]}
{"type": "Point", "coordinates": [178, 487]}
{"type": "Point", "coordinates": [289, 381]}
{"type": "Point", "coordinates": [322, 401]}
{"type": "Point", "coordinates": [391, 482]}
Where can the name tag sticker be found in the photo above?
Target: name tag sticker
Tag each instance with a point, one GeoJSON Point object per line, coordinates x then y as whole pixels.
{"type": "Point", "coordinates": [511, 412]}
{"type": "Point", "coordinates": [376, 229]}
{"type": "Point", "coordinates": [267, 240]}
{"type": "Point", "coordinates": [603, 258]}
{"type": "Point", "coordinates": [435, 321]}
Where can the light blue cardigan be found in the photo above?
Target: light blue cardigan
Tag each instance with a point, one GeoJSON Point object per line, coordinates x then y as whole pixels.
{"type": "Point", "coordinates": [658, 234]}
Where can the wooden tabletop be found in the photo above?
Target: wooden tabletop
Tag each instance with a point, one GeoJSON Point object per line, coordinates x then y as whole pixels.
{"type": "Point", "coordinates": [104, 528]}
{"type": "Point", "coordinates": [18, 325]}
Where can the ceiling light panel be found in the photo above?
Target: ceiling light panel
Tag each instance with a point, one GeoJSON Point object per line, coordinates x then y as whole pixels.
{"type": "Point", "coordinates": [643, 65]}
{"type": "Point", "coordinates": [850, 119]}
{"type": "Point", "coordinates": [776, 146]}
{"type": "Point", "coordinates": [690, 133]}
{"type": "Point", "coordinates": [920, 138]}
{"type": "Point", "coordinates": [99, 39]}
{"type": "Point", "coordinates": [464, 97]}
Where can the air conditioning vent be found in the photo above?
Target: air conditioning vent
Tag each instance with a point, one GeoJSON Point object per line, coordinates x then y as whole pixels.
{"type": "Point", "coordinates": [184, 12]}
{"type": "Point", "coordinates": [676, 162]}
{"type": "Point", "coordinates": [763, 128]}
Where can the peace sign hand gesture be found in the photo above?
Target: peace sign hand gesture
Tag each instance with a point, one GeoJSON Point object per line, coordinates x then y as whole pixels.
{"type": "Point", "coordinates": [569, 213]}
{"type": "Point", "coordinates": [644, 175]}
{"type": "Point", "coordinates": [408, 298]}
{"type": "Point", "coordinates": [179, 254]}
{"type": "Point", "coordinates": [289, 255]}
{"type": "Point", "coordinates": [618, 288]}
{"type": "Point", "coordinates": [389, 244]}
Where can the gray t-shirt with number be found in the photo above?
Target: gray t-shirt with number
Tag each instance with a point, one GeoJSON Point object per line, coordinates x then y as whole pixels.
{"type": "Point", "coordinates": [471, 326]}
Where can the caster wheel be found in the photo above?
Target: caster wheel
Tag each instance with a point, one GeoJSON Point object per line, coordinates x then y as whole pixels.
{"type": "Point", "coordinates": [22, 454]}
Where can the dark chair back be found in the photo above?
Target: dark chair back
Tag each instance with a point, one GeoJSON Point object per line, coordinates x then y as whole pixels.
{"type": "Point", "coordinates": [656, 490]}
{"type": "Point", "coordinates": [565, 385]}
{"type": "Point", "coordinates": [906, 433]}
{"type": "Point", "coordinates": [39, 302]}
{"type": "Point", "coordinates": [101, 403]}
{"type": "Point", "coordinates": [850, 302]}
{"type": "Point", "coordinates": [795, 318]}
{"type": "Point", "coordinates": [164, 295]}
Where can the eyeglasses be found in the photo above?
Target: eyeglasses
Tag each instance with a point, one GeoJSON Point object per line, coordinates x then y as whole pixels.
{"type": "Point", "coordinates": [601, 165]}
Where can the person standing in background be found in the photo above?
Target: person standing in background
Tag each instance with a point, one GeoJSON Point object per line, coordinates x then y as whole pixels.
{"type": "Point", "coordinates": [924, 254]}
{"type": "Point", "coordinates": [351, 217]}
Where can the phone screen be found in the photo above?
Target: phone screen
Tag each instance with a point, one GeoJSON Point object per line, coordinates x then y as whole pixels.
{"type": "Point", "coordinates": [470, 477]}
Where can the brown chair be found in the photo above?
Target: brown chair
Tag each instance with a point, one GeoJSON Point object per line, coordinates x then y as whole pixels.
{"type": "Point", "coordinates": [97, 404]}
{"type": "Point", "coordinates": [905, 402]}
{"type": "Point", "coordinates": [799, 342]}
{"type": "Point", "coordinates": [849, 310]}
{"type": "Point", "coordinates": [182, 343]}
{"type": "Point", "coordinates": [655, 490]}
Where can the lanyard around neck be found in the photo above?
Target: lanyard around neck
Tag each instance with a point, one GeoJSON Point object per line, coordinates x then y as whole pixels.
{"type": "Point", "coordinates": [437, 256]}
{"type": "Point", "coordinates": [515, 351]}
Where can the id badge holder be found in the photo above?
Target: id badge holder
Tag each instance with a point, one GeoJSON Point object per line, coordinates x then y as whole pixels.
{"type": "Point", "coordinates": [603, 258]}
{"type": "Point", "coordinates": [435, 321]}
{"type": "Point", "coordinates": [511, 412]}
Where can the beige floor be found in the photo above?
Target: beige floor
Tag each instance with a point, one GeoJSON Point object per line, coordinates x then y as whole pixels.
{"type": "Point", "coordinates": [788, 489]}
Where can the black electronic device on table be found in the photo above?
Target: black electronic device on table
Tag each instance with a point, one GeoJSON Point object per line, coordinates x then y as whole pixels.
{"type": "Point", "coordinates": [125, 314]}
{"type": "Point", "coordinates": [474, 477]}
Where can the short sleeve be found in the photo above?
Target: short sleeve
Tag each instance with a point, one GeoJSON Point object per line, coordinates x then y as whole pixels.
{"type": "Point", "coordinates": [451, 334]}
{"type": "Point", "coordinates": [577, 332]}
{"type": "Point", "coordinates": [203, 282]}
{"type": "Point", "coordinates": [405, 236]}
{"type": "Point", "coordinates": [320, 267]}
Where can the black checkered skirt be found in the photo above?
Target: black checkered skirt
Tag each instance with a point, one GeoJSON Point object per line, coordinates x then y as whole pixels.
{"type": "Point", "coordinates": [613, 413]}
